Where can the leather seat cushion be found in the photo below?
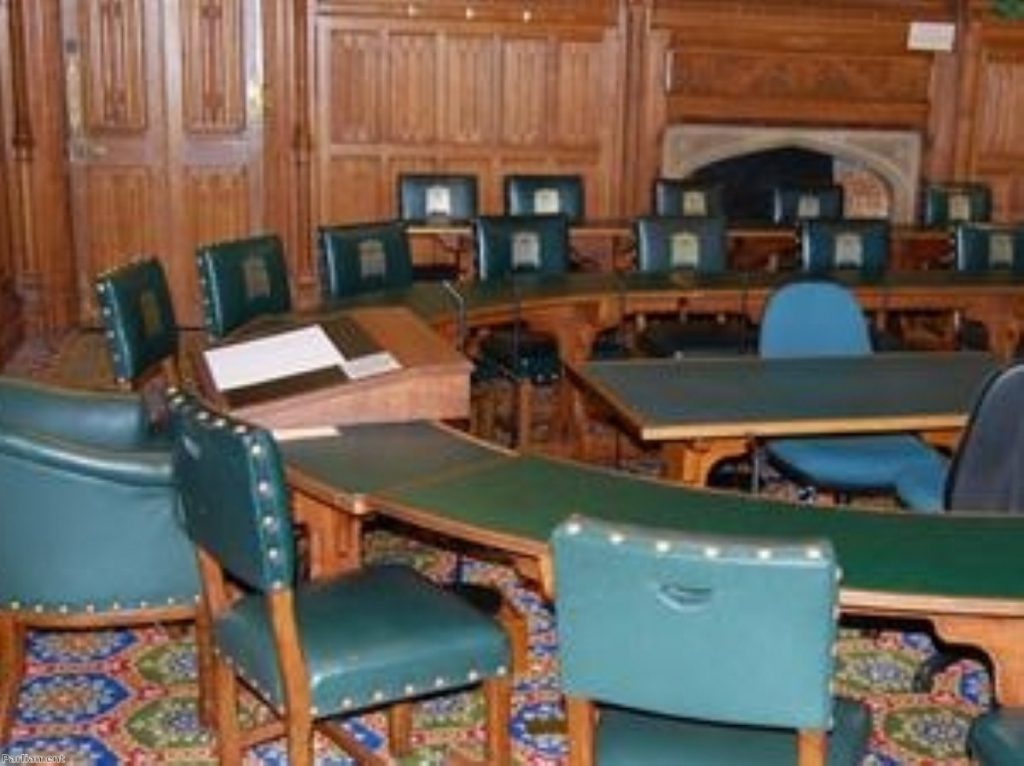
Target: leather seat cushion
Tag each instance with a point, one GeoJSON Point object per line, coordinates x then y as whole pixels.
{"type": "Point", "coordinates": [854, 462]}
{"type": "Point", "coordinates": [627, 738]}
{"type": "Point", "coordinates": [997, 738]}
{"type": "Point", "coordinates": [369, 637]}
{"type": "Point", "coordinates": [524, 354]}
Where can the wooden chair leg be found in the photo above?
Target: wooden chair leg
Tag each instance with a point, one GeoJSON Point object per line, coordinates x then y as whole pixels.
{"type": "Point", "coordinates": [205, 669]}
{"type": "Point", "coordinates": [300, 738]}
{"type": "Point", "coordinates": [229, 737]}
{"type": "Point", "coordinates": [498, 698]}
{"type": "Point", "coordinates": [400, 728]}
{"type": "Point", "coordinates": [579, 714]}
{"type": "Point", "coordinates": [12, 666]}
{"type": "Point", "coordinates": [517, 628]}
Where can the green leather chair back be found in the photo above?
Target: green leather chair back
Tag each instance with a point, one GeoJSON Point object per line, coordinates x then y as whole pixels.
{"type": "Point", "coordinates": [545, 195]}
{"type": "Point", "coordinates": [241, 280]}
{"type": "Point", "coordinates": [424, 197]}
{"type": "Point", "coordinates": [792, 204]}
{"type": "Point", "coordinates": [846, 245]}
{"type": "Point", "coordinates": [233, 491]}
{"type": "Point", "coordinates": [521, 244]}
{"type": "Point", "coordinates": [987, 247]}
{"type": "Point", "coordinates": [90, 520]}
{"type": "Point", "coordinates": [138, 317]}
{"type": "Point", "coordinates": [949, 203]}
{"type": "Point", "coordinates": [363, 258]}
{"type": "Point", "coordinates": [675, 243]}
{"type": "Point", "coordinates": [674, 197]}
{"type": "Point", "coordinates": [730, 630]}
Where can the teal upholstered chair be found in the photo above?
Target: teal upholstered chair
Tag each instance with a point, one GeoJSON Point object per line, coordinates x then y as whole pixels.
{"type": "Point", "coordinates": [322, 650]}
{"type": "Point", "coordinates": [820, 318]}
{"type": "Point", "coordinates": [437, 197]}
{"type": "Point", "coordinates": [997, 738]}
{"type": "Point", "coordinates": [948, 203]}
{"type": "Point", "coordinates": [545, 195]}
{"type": "Point", "coordinates": [90, 533]}
{"type": "Point", "coordinates": [983, 248]}
{"type": "Point", "coordinates": [362, 258]}
{"type": "Point", "coordinates": [854, 245]}
{"type": "Point", "coordinates": [675, 197]}
{"type": "Point", "coordinates": [694, 245]}
{"type": "Point", "coordinates": [793, 204]}
{"type": "Point", "coordinates": [699, 649]}
{"type": "Point", "coordinates": [240, 280]}
{"type": "Point", "coordinates": [138, 322]}
{"type": "Point", "coordinates": [511, 249]}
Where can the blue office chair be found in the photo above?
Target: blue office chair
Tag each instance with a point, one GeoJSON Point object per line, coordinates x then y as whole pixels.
{"type": "Point", "coordinates": [540, 194]}
{"type": "Point", "coordinates": [511, 249]}
{"type": "Point", "coordinates": [240, 280]}
{"type": "Point", "coordinates": [363, 258]}
{"type": "Point", "coordinates": [694, 245]}
{"type": "Point", "coordinates": [676, 197]}
{"type": "Point", "coordinates": [699, 649]}
{"type": "Point", "coordinates": [318, 650]}
{"type": "Point", "coordinates": [819, 318]}
{"type": "Point", "coordinates": [793, 204]}
{"type": "Point", "coordinates": [138, 322]}
{"type": "Point", "coordinates": [953, 202]}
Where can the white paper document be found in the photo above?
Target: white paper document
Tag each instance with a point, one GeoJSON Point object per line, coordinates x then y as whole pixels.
{"type": "Point", "coordinates": [287, 354]}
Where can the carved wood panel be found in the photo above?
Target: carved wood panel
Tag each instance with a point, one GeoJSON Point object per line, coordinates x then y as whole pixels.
{"type": "Point", "coordinates": [121, 217]}
{"type": "Point", "coordinates": [469, 113]}
{"type": "Point", "coordinates": [412, 88]}
{"type": "Point", "coordinates": [524, 108]}
{"type": "Point", "coordinates": [212, 65]}
{"type": "Point", "coordinates": [350, 71]}
{"type": "Point", "coordinates": [113, 43]}
{"type": "Point", "coordinates": [1001, 90]}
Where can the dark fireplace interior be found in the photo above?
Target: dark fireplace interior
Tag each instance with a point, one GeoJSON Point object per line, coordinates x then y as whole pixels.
{"type": "Point", "coordinates": [748, 180]}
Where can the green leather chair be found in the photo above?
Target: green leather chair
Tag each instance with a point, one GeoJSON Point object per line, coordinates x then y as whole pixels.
{"type": "Point", "coordinates": [437, 197]}
{"type": "Point", "coordinates": [997, 738]}
{"type": "Point", "coordinates": [240, 280]}
{"type": "Point", "coordinates": [860, 246]}
{"type": "Point", "coordinates": [699, 649]}
{"type": "Point", "coordinates": [363, 258]}
{"type": "Point", "coordinates": [983, 248]}
{"type": "Point", "coordinates": [696, 245]}
{"type": "Point", "coordinates": [324, 649]}
{"type": "Point", "coordinates": [540, 194]}
{"type": "Point", "coordinates": [794, 204]}
{"type": "Point", "coordinates": [675, 197]}
{"type": "Point", "coordinates": [138, 322]}
{"type": "Point", "coordinates": [514, 250]}
{"type": "Point", "coordinates": [90, 533]}
{"type": "Point", "coordinates": [946, 203]}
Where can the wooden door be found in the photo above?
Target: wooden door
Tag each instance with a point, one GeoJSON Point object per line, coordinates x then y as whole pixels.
{"type": "Point", "coordinates": [164, 104]}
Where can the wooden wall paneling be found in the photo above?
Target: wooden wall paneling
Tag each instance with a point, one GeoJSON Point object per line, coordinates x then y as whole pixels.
{"type": "Point", "coordinates": [525, 66]}
{"type": "Point", "coordinates": [412, 88]}
{"type": "Point", "coordinates": [45, 278]}
{"type": "Point", "coordinates": [214, 87]}
{"type": "Point", "coordinates": [470, 89]}
{"type": "Point", "coordinates": [12, 326]}
{"type": "Point", "coordinates": [114, 65]}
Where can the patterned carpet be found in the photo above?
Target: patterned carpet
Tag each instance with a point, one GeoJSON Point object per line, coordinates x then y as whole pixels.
{"type": "Point", "coordinates": [129, 696]}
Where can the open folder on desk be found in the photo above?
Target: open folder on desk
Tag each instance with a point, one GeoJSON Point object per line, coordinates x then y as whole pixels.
{"type": "Point", "coordinates": [297, 360]}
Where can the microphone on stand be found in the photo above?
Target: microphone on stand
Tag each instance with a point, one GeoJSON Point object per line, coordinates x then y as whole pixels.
{"type": "Point", "coordinates": [460, 314]}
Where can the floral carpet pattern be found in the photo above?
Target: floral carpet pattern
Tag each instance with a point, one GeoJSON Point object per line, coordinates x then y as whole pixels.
{"type": "Point", "coordinates": [128, 696]}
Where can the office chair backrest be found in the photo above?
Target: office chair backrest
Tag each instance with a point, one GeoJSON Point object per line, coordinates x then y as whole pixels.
{"type": "Point", "coordinates": [673, 197]}
{"type": "Point", "coordinates": [987, 472]}
{"type": "Point", "coordinates": [792, 204]}
{"type": "Point", "coordinates": [138, 317]}
{"type": "Point", "coordinates": [240, 280]}
{"type": "Point", "coordinates": [953, 202]}
{"type": "Point", "coordinates": [234, 494]}
{"type": "Point", "coordinates": [721, 629]}
{"type": "Point", "coordinates": [424, 197]}
{"type": "Point", "coordinates": [845, 245]}
{"type": "Point", "coordinates": [521, 244]}
{"type": "Point", "coordinates": [813, 318]}
{"type": "Point", "coordinates": [363, 258]}
{"type": "Point", "coordinates": [545, 195]}
{"type": "Point", "coordinates": [677, 243]}
{"type": "Point", "coordinates": [983, 247]}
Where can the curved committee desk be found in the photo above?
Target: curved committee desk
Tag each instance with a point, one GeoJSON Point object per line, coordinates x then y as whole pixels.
{"type": "Point", "coordinates": [963, 573]}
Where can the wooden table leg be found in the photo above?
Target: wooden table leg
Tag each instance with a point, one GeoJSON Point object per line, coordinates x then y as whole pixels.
{"type": "Point", "coordinates": [690, 461]}
{"type": "Point", "coordinates": [1001, 638]}
{"type": "Point", "coordinates": [335, 535]}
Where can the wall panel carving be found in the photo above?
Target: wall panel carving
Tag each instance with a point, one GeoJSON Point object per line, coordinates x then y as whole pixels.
{"type": "Point", "coordinates": [113, 46]}
{"type": "Point", "coordinates": [469, 112]}
{"type": "Point", "coordinates": [412, 88]}
{"type": "Point", "coordinates": [352, 75]}
{"type": "Point", "coordinates": [121, 216]}
{"type": "Point", "coordinates": [525, 64]}
{"type": "Point", "coordinates": [213, 69]}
